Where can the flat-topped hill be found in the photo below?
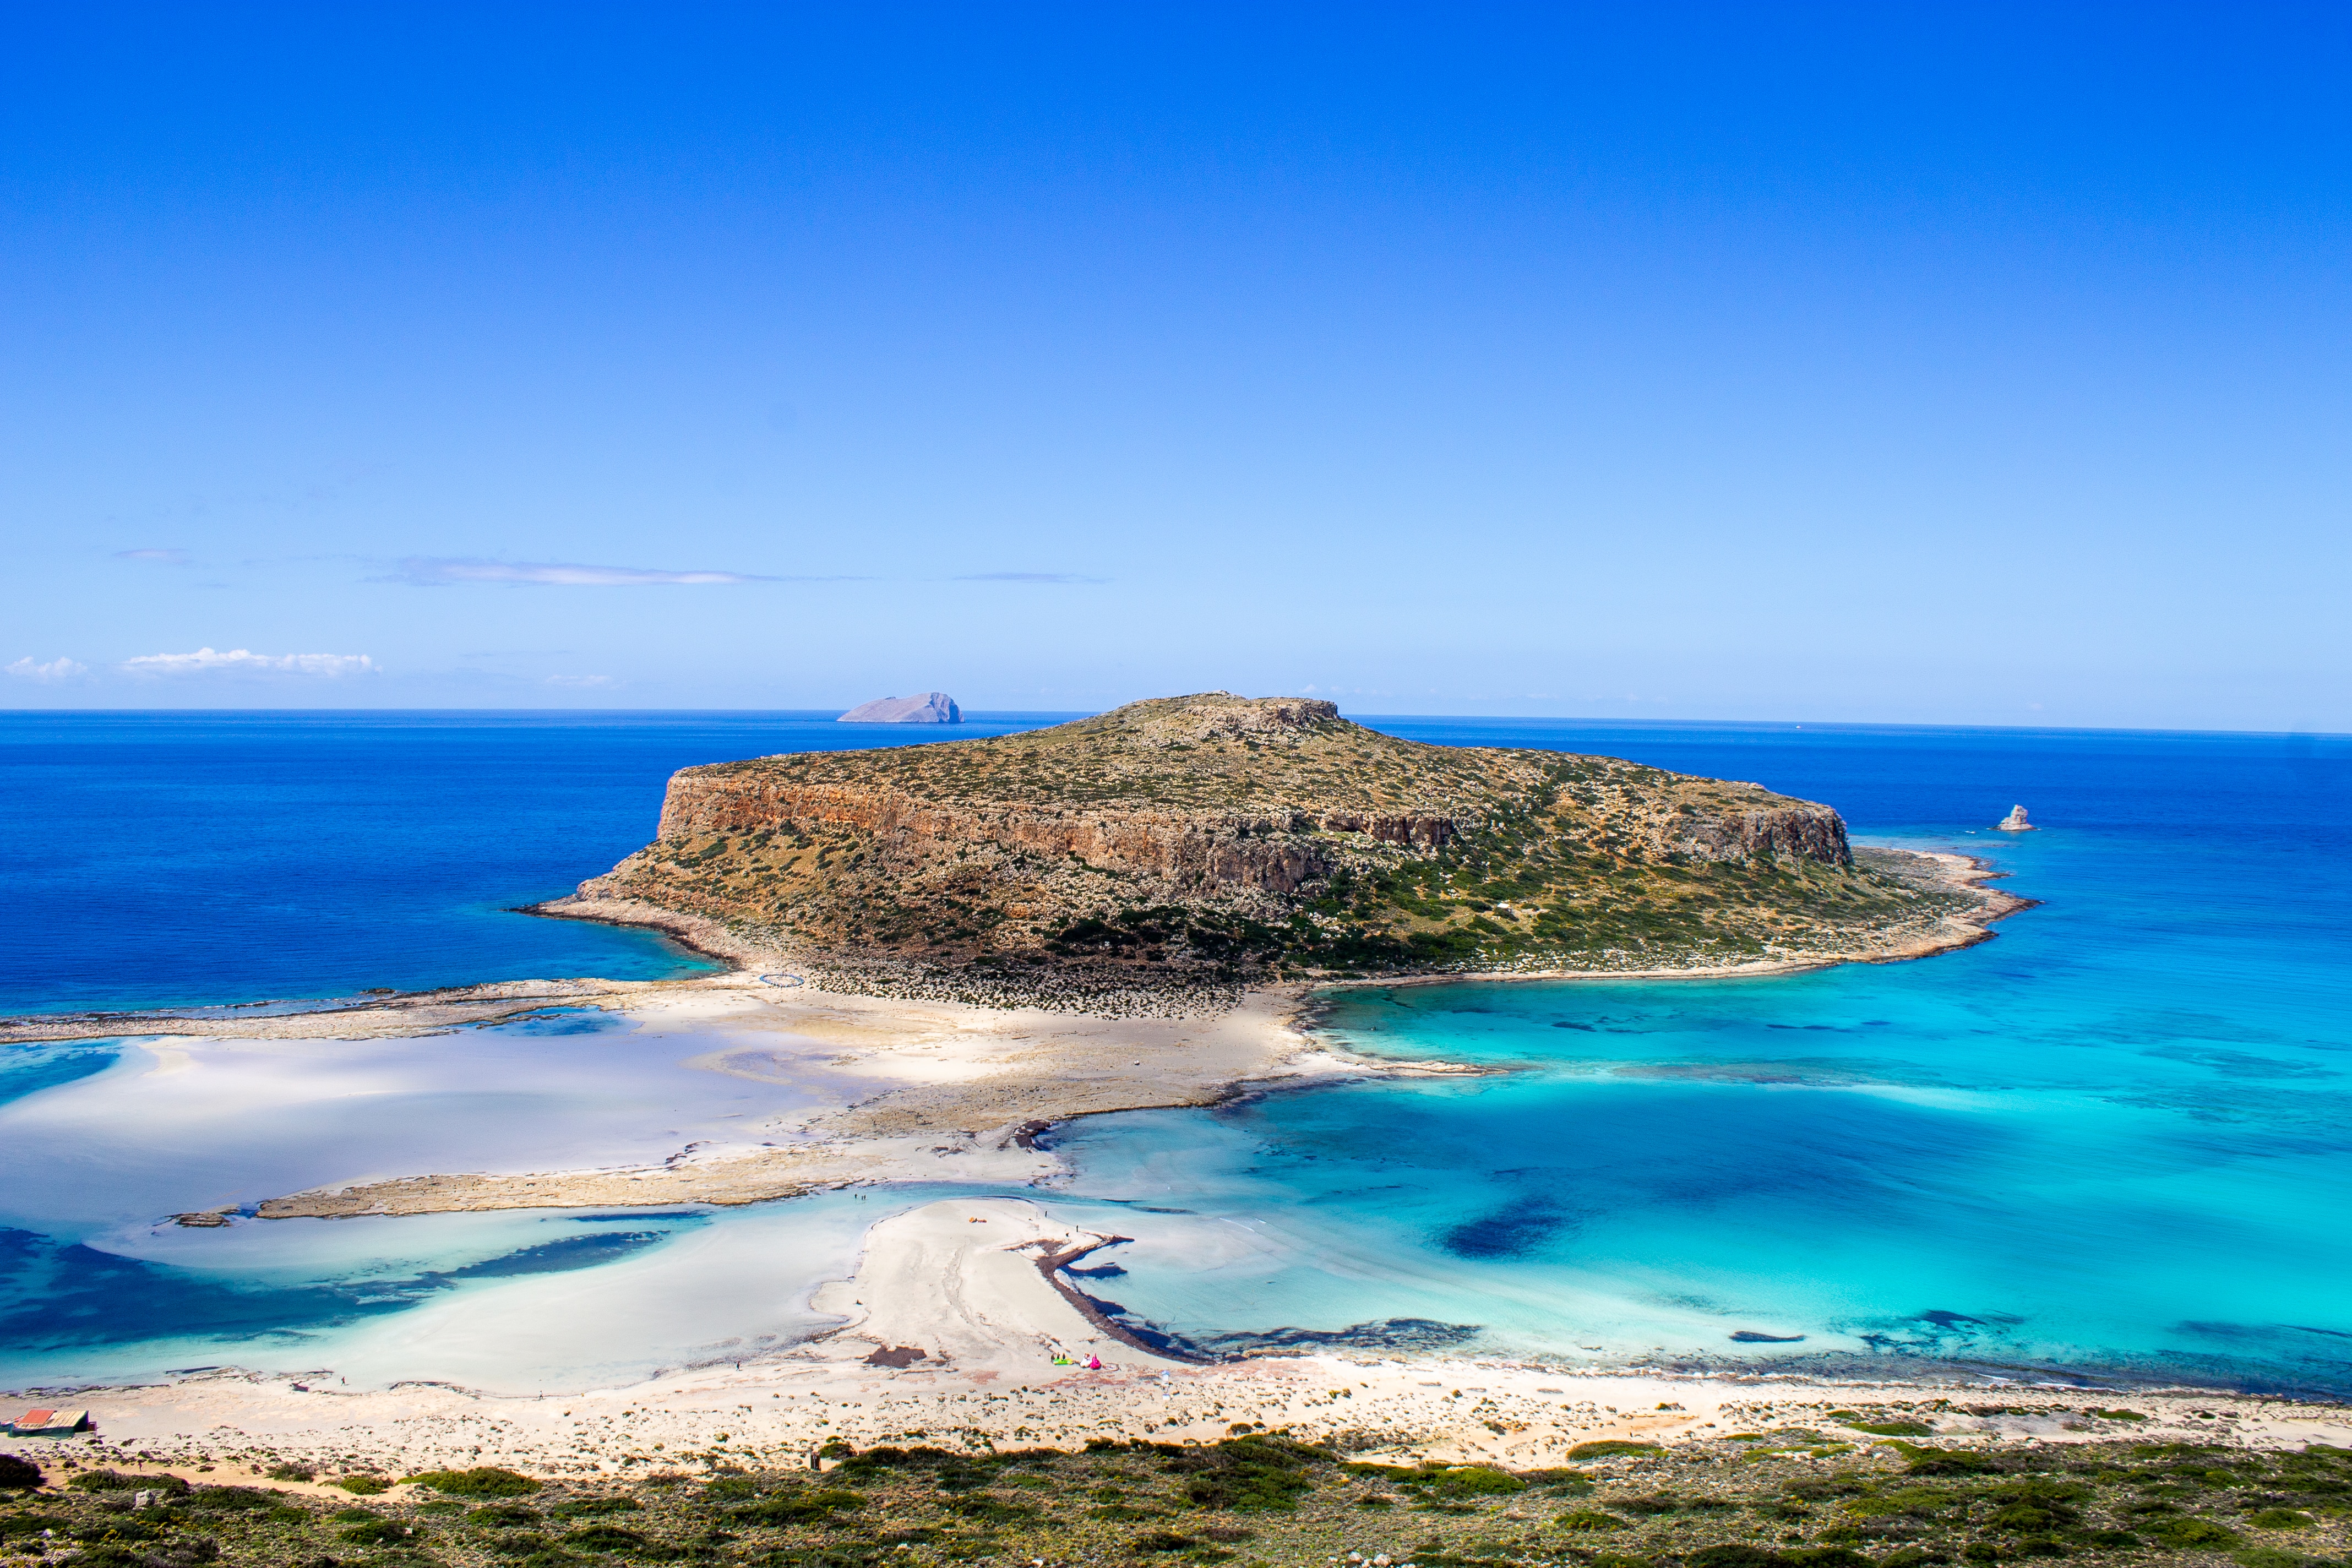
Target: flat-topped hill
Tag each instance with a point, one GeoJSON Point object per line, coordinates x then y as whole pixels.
{"type": "Point", "coordinates": [1217, 837]}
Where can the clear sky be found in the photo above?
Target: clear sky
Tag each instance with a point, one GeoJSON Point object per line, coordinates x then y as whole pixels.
{"type": "Point", "coordinates": [1971, 364]}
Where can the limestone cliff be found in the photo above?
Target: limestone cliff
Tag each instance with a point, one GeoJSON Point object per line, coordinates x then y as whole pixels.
{"type": "Point", "coordinates": [1218, 834]}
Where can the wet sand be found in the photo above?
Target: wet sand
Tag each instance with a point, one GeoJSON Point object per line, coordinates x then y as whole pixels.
{"type": "Point", "coordinates": [958, 1095]}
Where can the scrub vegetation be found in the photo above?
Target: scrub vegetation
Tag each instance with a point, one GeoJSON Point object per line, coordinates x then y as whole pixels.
{"type": "Point", "coordinates": [1772, 1499]}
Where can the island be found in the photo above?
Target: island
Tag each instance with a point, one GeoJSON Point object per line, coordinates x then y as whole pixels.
{"type": "Point", "coordinates": [931, 708]}
{"type": "Point", "coordinates": [1210, 843]}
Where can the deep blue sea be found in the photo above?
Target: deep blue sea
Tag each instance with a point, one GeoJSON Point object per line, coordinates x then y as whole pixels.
{"type": "Point", "coordinates": [2115, 1144]}
{"type": "Point", "coordinates": [162, 859]}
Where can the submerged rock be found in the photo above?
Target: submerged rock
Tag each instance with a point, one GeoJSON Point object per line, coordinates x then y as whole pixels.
{"type": "Point", "coordinates": [931, 708]}
{"type": "Point", "coordinates": [2014, 822]}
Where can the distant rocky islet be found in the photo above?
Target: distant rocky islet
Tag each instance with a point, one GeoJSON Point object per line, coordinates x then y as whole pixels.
{"type": "Point", "coordinates": [931, 708]}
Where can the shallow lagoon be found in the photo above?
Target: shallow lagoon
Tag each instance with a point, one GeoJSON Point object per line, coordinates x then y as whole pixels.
{"type": "Point", "coordinates": [101, 1284]}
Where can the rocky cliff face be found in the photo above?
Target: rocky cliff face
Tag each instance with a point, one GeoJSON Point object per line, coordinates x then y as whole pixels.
{"type": "Point", "coordinates": [1281, 851]}
{"type": "Point", "coordinates": [1805, 832]}
{"type": "Point", "coordinates": [1219, 833]}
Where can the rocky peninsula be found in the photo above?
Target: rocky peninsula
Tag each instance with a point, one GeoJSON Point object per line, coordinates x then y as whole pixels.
{"type": "Point", "coordinates": [1201, 844]}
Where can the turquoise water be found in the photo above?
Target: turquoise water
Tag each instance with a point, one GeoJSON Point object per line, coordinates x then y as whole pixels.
{"type": "Point", "coordinates": [2117, 1140]}
{"type": "Point", "coordinates": [2115, 1143]}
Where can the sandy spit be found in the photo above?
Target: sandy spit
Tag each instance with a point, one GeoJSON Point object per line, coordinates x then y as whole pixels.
{"type": "Point", "coordinates": [356, 1018]}
{"type": "Point", "coordinates": [959, 1093]}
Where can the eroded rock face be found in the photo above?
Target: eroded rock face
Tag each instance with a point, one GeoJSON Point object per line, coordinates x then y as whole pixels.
{"type": "Point", "coordinates": [1812, 832]}
{"type": "Point", "coordinates": [931, 708]}
{"type": "Point", "coordinates": [1273, 717]}
{"type": "Point", "coordinates": [1419, 832]}
{"type": "Point", "coordinates": [1182, 850]}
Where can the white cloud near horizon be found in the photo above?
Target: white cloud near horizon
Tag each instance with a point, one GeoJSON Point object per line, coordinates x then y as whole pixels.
{"type": "Point", "coordinates": [168, 557]}
{"type": "Point", "coordinates": [584, 680]}
{"type": "Point", "coordinates": [58, 669]}
{"type": "Point", "coordinates": [205, 661]}
{"type": "Point", "coordinates": [433, 571]}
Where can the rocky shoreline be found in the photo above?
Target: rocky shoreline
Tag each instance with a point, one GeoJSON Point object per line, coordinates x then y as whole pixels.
{"type": "Point", "coordinates": [1961, 912]}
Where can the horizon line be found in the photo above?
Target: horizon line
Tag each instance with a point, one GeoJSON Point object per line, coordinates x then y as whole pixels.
{"type": "Point", "coordinates": [1362, 717]}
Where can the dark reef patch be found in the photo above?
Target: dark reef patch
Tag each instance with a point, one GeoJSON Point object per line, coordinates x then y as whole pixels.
{"type": "Point", "coordinates": [1513, 1231]}
{"type": "Point", "coordinates": [1390, 1333]}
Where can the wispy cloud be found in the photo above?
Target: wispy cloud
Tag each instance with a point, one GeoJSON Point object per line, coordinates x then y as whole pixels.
{"type": "Point", "coordinates": [436, 572]}
{"type": "Point", "coordinates": [162, 557]}
{"type": "Point", "coordinates": [58, 668]}
{"type": "Point", "coordinates": [205, 661]}
{"type": "Point", "coordinates": [580, 681]}
{"type": "Point", "coordinates": [1028, 577]}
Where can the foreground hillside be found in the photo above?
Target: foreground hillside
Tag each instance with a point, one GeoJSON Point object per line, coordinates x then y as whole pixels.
{"type": "Point", "coordinates": [1784, 1498]}
{"type": "Point", "coordinates": [1217, 838]}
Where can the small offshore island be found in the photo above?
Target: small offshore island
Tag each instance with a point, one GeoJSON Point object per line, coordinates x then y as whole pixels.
{"type": "Point", "coordinates": [1189, 847]}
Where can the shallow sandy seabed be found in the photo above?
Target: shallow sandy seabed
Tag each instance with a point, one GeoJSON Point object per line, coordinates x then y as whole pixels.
{"type": "Point", "coordinates": [961, 1281]}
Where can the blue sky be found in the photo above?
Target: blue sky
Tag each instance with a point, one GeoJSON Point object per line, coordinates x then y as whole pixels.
{"type": "Point", "coordinates": [1971, 365]}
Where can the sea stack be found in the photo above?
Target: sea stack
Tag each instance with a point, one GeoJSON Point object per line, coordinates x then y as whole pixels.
{"type": "Point", "coordinates": [931, 708]}
{"type": "Point", "coordinates": [2014, 822]}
